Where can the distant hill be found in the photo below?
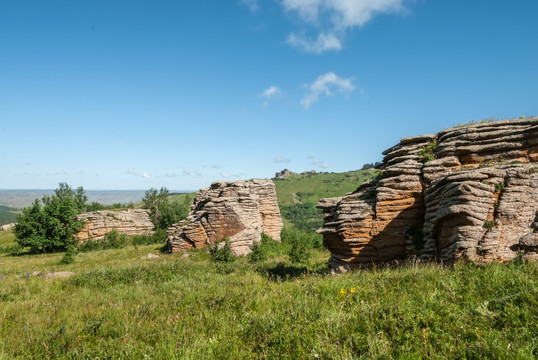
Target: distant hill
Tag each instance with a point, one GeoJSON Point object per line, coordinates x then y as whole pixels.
{"type": "Point", "coordinates": [298, 193]}
{"type": "Point", "coordinates": [8, 215]}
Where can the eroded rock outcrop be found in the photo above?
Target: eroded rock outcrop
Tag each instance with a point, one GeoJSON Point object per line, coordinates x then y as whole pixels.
{"type": "Point", "coordinates": [129, 222]}
{"type": "Point", "coordinates": [239, 210]}
{"type": "Point", "coordinates": [7, 227]}
{"type": "Point", "coordinates": [468, 192]}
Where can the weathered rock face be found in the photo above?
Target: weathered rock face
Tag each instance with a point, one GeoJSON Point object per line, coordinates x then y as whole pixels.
{"type": "Point", "coordinates": [239, 210]}
{"type": "Point", "coordinates": [129, 222]}
{"type": "Point", "coordinates": [469, 192]}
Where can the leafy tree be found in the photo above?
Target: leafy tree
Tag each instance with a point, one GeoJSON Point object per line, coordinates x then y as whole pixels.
{"type": "Point", "coordinates": [153, 200]}
{"type": "Point", "coordinates": [164, 213]}
{"type": "Point", "coordinates": [51, 226]}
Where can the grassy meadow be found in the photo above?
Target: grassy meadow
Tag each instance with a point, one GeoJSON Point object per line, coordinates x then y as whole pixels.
{"type": "Point", "coordinates": [120, 304]}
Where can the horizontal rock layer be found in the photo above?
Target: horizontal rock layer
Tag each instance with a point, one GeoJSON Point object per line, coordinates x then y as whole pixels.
{"type": "Point", "coordinates": [467, 192]}
{"type": "Point", "coordinates": [239, 211]}
{"type": "Point", "coordinates": [129, 222]}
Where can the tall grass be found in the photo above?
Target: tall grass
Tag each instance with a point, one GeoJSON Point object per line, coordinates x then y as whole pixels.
{"type": "Point", "coordinates": [123, 305]}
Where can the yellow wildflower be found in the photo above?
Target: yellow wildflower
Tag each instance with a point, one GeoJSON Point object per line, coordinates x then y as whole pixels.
{"type": "Point", "coordinates": [342, 292]}
{"type": "Point", "coordinates": [352, 290]}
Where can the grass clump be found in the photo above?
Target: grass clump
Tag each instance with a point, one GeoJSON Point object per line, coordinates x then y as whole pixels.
{"type": "Point", "coordinates": [221, 252]}
{"type": "Point", "coordinates": [427, 152]}
{"type": "Point", "coordinates": [489, 224]}
{"type": "Point", "coordinates": [263, 250]}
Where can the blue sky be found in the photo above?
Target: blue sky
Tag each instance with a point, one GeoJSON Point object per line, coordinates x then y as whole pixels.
{"type": "Point", "coordinates": [138, 94]}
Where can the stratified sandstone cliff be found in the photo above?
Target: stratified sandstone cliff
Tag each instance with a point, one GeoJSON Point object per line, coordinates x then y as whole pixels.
{"type": "Point", "coordinates": [129, 222]}
{"type": "Point", "coordinates": [468, 192]}
{"type": "Point", "coordinates": [239, 210]}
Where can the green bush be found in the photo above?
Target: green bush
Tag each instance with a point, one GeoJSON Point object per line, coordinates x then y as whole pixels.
{"type": "Point", "coordinates": [300, 243]}
{"type": "Point", "coordinates": [159, 237]}
{"type": "Point", "coordinates": [221, 253]}
{"type": "Point", "coordinates": [488, 224]}
{"type": "Point", "coordinates": [51, 226]}
{"type": "Point", "coordinates": [312, 240]}
{"type": "Point", "coordinates": [264, 249]}
{"type": "Point", "coordinates": [112, 240]}
{"type": "Point", "coordinates": [427, 151]}
{"type": "Point", "coordinates": [163, 212]}
{"type": "Point", "coordinates": [69, 255]}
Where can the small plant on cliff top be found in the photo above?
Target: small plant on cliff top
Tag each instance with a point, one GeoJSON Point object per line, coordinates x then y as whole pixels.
{"type": "Point", "coordinates": [427, 151]}
{"type": "Point", "coordinates": [488, 224]}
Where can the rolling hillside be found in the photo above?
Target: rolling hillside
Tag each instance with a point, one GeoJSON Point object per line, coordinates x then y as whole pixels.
{"type": "Point", "coordinates": [8, 214]}
{"type": "Point", "coordinates": [298, 194]}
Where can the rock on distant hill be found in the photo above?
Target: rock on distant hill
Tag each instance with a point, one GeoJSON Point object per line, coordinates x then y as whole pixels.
{"type": "Point", "coordinates": [468, 192]}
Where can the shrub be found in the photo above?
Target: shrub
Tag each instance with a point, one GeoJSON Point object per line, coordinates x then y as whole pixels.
{"type": "Point", "coordinates": [300, 243]}
{"type": "Point", "coordinates": [312, 240]}
{"type": "Point", "coordinates": [112, 240]}
{"type": "Point", "coordinates": [488, 224]}
{"type": "Point", "coordinates": [427, 151]}
{"type": "Point", "coordinates": [299, 251]}
{"type": "Point", "coordinates": [221, 252]}
{"type": "Point", "coordinates": [263, 249]}
{"type": "Point", "coordinates": [51, 227]}
{"type": "Point", "coordinates": [499, 187]}
{"type": "Point", "coordinates": [163, 212]}
{"type": "Point", "coordinates": [159, 237]}
{"type": "Point", "coordinates": [69, 255]}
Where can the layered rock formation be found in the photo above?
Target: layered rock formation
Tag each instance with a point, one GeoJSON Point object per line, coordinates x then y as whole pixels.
{"type": "Point", "coordinates": [7, 227]}
{"type": "Point", "coordinates": [129, 222]}
{"type": "Point", "coordinates": [239, 211]}
{"type": "Point", "coordinates": [468, 192]}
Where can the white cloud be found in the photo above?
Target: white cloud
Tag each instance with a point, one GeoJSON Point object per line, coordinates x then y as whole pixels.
{"type": "Point", "coordinates": [225, 175]}
{"type": "Point", "coordinates": [186, 172]}
{"type": "Point", "coordinates": [281, 159]}
{"type": "Point", "coordinates": [340, 15]}
{"type": "Point", "coordinates": [251, 4]}
{"type": "Point", "coordinates": [324, 85]}
{"type": "Point", "coordinates": [131, 171]}
{"type": "Point", "coordinates": [269, 93]}
{"type": "Point", "coordinates": [319, 163]}
{"type": "Point", "coordinates": [324, 42]}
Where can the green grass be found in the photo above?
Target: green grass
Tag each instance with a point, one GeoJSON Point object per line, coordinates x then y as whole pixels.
{"type": "Point", "coordinates": [299, 194]}
{"type": "Point", "coordinates": [310, 188]}
{"type": "Point", "coordinates": [122, 305]}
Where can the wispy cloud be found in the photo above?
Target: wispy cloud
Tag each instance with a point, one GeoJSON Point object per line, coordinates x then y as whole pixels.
{"type": "Point", "coordinates": [269, 93]}
{"type": "Point", "coordinates": [225, 175]}
{"type": "Point", "coordinates": [319, 163]}
{"type": "Point", "coordinates": [186, 172]}
{"type": "Point", "coordinates": [253, 5]}
{"type": "Point", "coordinates": [131, 171]}
{"type": "Point", "coordinates": [324, 42]}
{"type": "Point", "coordinates": [325, 85]}
{"type": "Point", "coordinates": [340, 15]}
{"type": "Point", "coordinates": [281, 159]}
